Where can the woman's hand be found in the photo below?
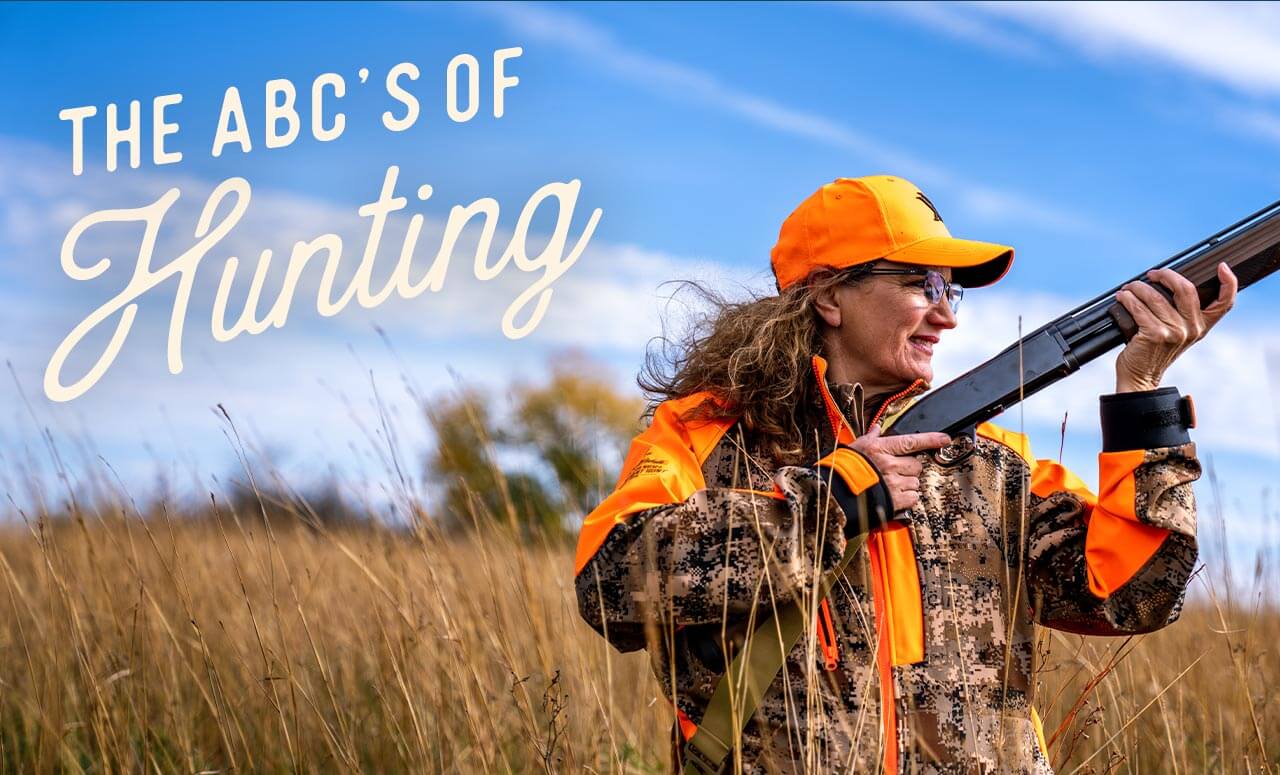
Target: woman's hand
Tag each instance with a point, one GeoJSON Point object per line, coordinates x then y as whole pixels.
{"type": "Point", "coordinates": [893, 457]}
{"type": "Point", "coordinates": [1166, 330]}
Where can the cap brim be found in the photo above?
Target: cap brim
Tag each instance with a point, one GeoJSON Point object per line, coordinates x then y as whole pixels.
{"type": "Point", "coordinates": [974, 264]}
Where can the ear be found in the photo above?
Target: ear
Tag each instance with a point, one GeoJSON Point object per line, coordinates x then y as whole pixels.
{"type": "Point", "coordinates": [827, 304]}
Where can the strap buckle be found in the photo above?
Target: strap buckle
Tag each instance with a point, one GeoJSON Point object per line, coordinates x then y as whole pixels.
{"type": "Point", "coordinates": [700, 762]}
{"type": "Point", "coordinates": [1187, 407]}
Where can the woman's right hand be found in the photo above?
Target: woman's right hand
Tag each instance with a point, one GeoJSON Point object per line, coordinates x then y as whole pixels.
{"type": "Point", "coordinates": [894, 457]}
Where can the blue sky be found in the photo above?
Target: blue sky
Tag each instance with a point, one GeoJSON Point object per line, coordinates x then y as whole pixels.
{"type": "Point", "coordinates": [1096, 139]}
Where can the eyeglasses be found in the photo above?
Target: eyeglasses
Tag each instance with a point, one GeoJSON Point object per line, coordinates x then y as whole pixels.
{"type": "Point", "coordinates": [934, 284]}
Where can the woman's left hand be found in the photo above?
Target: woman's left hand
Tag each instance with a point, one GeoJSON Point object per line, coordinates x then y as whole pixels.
{"type": "Point", "coordinates": [1166, 330]}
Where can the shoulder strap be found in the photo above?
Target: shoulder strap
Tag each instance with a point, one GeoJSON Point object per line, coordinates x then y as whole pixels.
{"type": "Point", "coordinates": [749, 675]}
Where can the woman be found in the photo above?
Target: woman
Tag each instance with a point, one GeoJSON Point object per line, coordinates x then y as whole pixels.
{"type": "Point", "coordinates": [765, 459]}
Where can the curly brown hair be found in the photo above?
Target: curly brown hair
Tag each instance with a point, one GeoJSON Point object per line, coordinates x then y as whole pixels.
{"type": "Point", "coordinates": [752, 355]}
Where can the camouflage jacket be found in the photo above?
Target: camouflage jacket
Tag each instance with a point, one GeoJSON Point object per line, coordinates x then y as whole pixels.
{"type": "Point", "coordinates": [921, 657]}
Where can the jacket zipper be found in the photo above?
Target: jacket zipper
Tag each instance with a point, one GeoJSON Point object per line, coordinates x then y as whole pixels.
{"type": "Point", "coordinates": [827, 638]}
{"type": "Point", "coordinates": [891, 399]}
{"type": "Point", "coordinates": [827, 630]}
{"type": "Point", "coordinates": [879, 590]}
{"type": "Point", "coordinates": [833, 416]}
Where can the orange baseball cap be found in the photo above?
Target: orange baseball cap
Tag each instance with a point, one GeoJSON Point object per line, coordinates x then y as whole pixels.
{"type": "Point", "coordinates": [857, 220]}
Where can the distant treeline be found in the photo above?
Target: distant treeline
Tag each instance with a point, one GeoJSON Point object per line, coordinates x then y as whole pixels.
{"type": "Point", "coordinates": [536, 458]}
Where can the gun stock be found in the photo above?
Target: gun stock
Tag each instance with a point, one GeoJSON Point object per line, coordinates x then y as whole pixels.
{"type": "Point", "coordinates": [1058, 349]}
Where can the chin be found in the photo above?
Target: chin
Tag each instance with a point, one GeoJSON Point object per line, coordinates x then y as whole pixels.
{"type": "Point", "coordinates": [923, 372]}
{"type": "Point", "coordinates": [904, 371]}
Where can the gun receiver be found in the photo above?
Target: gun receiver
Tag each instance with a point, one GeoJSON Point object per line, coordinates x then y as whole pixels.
{"type": "Point", "coordinates": [1059, 348]}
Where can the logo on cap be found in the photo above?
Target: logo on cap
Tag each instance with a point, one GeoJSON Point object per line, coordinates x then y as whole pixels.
{"type": "Point", "coordinates": [920, 195]}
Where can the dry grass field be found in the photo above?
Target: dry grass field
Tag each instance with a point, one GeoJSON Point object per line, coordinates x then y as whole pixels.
{"type": "Point", "coordinates": [146, 646]}
{"type": "Point", "coordinates": [263, 631]}
{"type": "Point", "coordinates": [229, 643]}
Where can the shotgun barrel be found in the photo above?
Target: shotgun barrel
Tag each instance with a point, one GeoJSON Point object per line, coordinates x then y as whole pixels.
{"type": "Point", "coordinates": [1058, 349]}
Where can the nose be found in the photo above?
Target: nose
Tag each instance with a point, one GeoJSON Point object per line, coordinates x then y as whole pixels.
{"type": "Point", "coordinates": [941, 314]}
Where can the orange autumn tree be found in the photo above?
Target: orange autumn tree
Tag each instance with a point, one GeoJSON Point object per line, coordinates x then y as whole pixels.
{"type": "Point", "coordinates": [544, 464]}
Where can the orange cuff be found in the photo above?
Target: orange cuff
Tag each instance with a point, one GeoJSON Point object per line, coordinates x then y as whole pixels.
{"type": "Point", "coordinates": [854, 469]}
{"type": "Point", "coordinates": [856, 486]}
{"type": "Point", "coordinates": [1118, 545]}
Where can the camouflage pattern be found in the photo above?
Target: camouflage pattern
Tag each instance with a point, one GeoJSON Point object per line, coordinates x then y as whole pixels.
{"type": "Point", "coordinates": [685, 581]}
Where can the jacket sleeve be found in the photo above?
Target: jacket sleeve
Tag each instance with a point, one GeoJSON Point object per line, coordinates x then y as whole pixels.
{"type": "Point", "coordinates": [665, 551]}
{"type": "Point", "coordinates": [1118, 562]}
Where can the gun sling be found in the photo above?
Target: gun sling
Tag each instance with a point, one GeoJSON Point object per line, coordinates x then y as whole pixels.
{"type": "Point", "coordinates": [749, 675]}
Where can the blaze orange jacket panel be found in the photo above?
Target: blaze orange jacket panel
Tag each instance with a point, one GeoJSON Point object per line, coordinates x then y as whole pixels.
{"type": "Point", "coordinates": [1117, 543]}
{"type": "Point", "coordinates": [663, 466]}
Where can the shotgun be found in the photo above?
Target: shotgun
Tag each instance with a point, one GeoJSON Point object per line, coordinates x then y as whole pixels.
{"type": "Point", "coordinates": [1058, 349]}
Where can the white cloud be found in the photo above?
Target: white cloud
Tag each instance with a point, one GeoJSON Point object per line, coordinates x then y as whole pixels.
{"type": "Point", "coordinates": [1256, 122]}
{"type": "Point", "coordinates": [603, 49]}
{"type": "Point", "coordinates": [957, 22]}
{"type": "Point", "coordinates": [573, 32]}
{"type": "Point", "coordinates": [1233, 44]}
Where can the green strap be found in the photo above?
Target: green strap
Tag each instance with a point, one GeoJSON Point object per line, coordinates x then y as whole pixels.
{"type": "Point", "coordinates": [748, 677]}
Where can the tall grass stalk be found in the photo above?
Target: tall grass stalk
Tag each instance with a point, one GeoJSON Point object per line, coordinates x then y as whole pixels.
{"type": "Point", "coordinates": [250, 636]}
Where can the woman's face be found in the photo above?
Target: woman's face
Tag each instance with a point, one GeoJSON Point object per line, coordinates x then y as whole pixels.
{"type": "Point", "coordinates": [886, 329]}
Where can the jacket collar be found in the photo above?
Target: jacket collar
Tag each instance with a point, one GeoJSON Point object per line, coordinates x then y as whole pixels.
{"type": "Point", "coordinates": [843, 405]}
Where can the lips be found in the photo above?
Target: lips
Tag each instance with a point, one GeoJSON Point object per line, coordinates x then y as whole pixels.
{"type": "Point", "coordinates": [924, 343]}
